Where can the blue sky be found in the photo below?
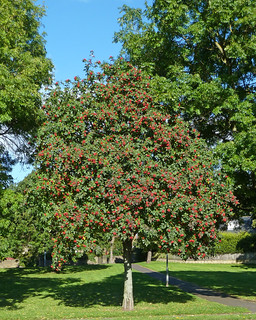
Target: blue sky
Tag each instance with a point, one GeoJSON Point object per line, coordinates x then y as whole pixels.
{"type": "Point", "coordinates": [74, 28]}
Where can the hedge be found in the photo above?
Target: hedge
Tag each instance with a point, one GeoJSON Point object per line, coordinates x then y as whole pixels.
{"type": "Point", "coordinates": [240, 242]}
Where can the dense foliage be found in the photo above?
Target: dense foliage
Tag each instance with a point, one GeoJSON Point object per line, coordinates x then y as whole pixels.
{"type": "Point", "coordinates": [236, 242]}
{"type": "Point", "coordinates": [24, 68]}
{"type": "Point", "coordinates": [6, 163]}
{"type": "Point", "coordinates": [203, 54]}
{"type": "Point", "coordinates": [113, 162]}
{"type": "Point", "coordinates": [10, 202]}
{"type": "Point", "coordinates": [21, 232]}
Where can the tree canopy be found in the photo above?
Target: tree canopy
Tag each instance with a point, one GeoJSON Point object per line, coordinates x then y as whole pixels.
{"type": "Point", "coordinates": [113, 162]}
{"type": "Point", "coordinates": [24, 69]}
{"type": "Point", "coordinates": [203, 54]}
{"type": "Point", "coordinates": [21, 232]}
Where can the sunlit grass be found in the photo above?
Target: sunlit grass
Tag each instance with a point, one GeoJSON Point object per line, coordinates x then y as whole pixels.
{"type": "Point", "coordinates": [233, 279]}
{"type": "Point", "coordinates": [95, 292]}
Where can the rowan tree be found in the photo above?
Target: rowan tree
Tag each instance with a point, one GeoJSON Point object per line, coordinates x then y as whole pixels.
{"type": "Point", "coordinates": [113, 162]}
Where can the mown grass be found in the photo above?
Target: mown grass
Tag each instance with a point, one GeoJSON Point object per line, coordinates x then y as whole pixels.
{"type": "Point", "coordinates": [95, 292]}
{"type": "Point", "coordinates": [234, 279]}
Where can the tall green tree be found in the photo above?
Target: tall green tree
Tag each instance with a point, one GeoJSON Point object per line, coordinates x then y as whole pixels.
{"type": "Point", "coordinates": [10, 203]}
{"type": "Point", "coordinates": [113, 162]}
{"type": "Point", "coordinates": [21, 233]}
{"type": "Point", "coordinates": [6, 163]}
{"type": "Point", "coordinates": [24, 69]}
{"type": "Point", "coordinates": [202, 54]}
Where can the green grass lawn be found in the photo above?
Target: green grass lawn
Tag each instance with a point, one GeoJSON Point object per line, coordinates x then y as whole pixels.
{"type": "Point", "coordinates": [95, 292]}
{"type": "Point", "coordinates": [234, 279]}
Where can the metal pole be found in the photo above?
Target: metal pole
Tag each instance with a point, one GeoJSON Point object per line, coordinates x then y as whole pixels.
{"type": "Point", "coordinates": [45, 259]}
{"type": "Point", "coordinates": [167, 271]}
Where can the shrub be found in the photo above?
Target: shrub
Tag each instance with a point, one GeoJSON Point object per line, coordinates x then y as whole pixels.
{"type": "Point", "coordinates": [236, 243]}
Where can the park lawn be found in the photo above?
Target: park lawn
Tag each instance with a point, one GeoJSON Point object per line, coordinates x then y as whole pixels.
{"type": "Point", "coordinates": [234, 279]}
{"type": "Point", "coordinates": [95, 292]}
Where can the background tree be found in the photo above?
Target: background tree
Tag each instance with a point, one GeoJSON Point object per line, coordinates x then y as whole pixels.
{"type": "Point", "coordinates": [21, 232]}
{"type": "Point", "coordinates": [6, 163]}
{"type": "Point", "coordinates": [113, 162]}
{"type": "Point", "coordinates": [202, 54]}
{"type": "Point", "coordinates": [24, 69]}
{"type": "Point", "coordinates": [10, 202]}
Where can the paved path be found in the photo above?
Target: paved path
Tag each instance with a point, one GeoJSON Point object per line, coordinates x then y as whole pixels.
{"type": "Point", "coordinates": [201, 292]}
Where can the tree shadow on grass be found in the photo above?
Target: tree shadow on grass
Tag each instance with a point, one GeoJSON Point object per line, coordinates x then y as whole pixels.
{"type": "Point", "coordinates": [17, 285]}
{"type": "Point", "coordinates": [244, 266]}
{"type": "Point", "coordinates": [151, 290]}
{"type": "Point", "coordinates": [232, 283]}
{"type": "Point", "coordinates": [74, 292]}
{"type": "Point", "coordinates": [109, 292]}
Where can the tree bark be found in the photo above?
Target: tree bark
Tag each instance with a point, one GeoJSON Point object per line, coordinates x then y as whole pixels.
{"type": "Point", "coordinates": [149, 256]}
{"type": "Point", "coordinates": [128, 302]}
{"type": "Point", "coordinates": [111, 256]}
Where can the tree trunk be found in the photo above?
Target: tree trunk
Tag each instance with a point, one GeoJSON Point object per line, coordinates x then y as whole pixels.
{"type": "Point", "coordinates": [128, 303]}
{"type": "Point", "coordinates": [111, 256]}
{"type": "Point", "coordinates": [149, 256]}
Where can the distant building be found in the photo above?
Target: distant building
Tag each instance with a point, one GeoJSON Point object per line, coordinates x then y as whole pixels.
{"type": "Point", "coordinates": [244, 224]}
